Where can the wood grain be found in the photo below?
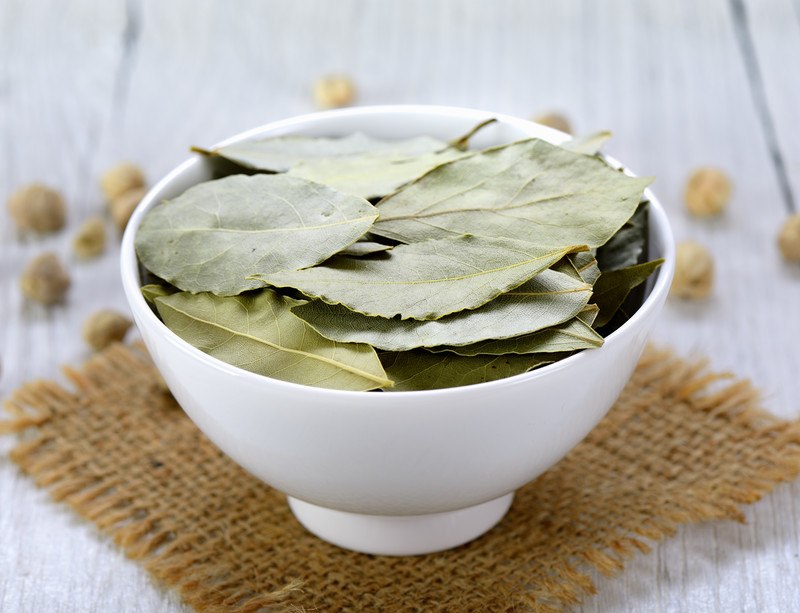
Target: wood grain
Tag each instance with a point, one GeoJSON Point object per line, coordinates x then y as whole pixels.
{"type": "Point", "coordinates": [84, 85]}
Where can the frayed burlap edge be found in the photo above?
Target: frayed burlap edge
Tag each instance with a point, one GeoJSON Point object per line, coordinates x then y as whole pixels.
{"type": "Point", "coordinates": [682, 445]}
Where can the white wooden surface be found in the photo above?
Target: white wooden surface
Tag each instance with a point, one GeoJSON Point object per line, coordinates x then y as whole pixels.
{"type": "Point", "coordinates": [85, 84]}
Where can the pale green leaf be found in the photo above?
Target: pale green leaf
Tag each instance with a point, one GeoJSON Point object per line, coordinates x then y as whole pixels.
{"type": "Point", "coordinates": [218, 233]}
{"type": "Point", "coordinates": [462, 142]}
{"type": "Point", "coordinates": [421, 370]}
{"type": "Point", "coordinates": [627, 246]}
{"type": "Point", "coordinates": [362, 248]}
{"type": "Point", "coordinates": [589, 314]}
{"type": "Point", "coordinates": [548, 299]}
{"type": "Point", "coordinates": [151, 291]}
{"type": "Point", "coordinates": [614, 286]}
{"type": "Point", "coordinates": [372, 175]}
{"type": "Point", "coordinates": [529, 190]}
{"type": "Point", "coordinates": [259, 333]}
{"type": "Point", "coordinates": [589, 144]}
{"type": "Point", "coordinates": [280, 153]}
{"type": "Point", "coordinates": [425, 280]}
{"type": "Point", "coordinates": [586, 266]}
{"type": "Point", "coordinates": [570, 336]}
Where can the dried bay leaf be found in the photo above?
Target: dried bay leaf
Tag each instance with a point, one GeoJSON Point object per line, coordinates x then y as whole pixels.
{"type": "Point", "coordinates": [421, 370]}
{"type": "Point", "coordinates": [426, 280]}
{"type": "Point", "coordinates": [586, 266]}
{"type": "Point", "coordinates": [259, 333]}
{"type": "Point", "coordinates": [573, 335]}
{"type": "Point", "coordinates": [462, 142]}
{"type": "Point", "coordinates": [362, 248]}
{"type": "Point", "coordinates": [581, 266]}
{"type": "Point", "coordinates": [589, 314]}
{"type": "Point", "coordinates": [614, 286]}
{"type": "Point", "coordinates": [529, 190]}
{"type": "Point", "coordinates": [218, 233]}
{"type": "Point", "coordinates": [548, 299]}
{"type": "Point", "coordinates": [628, 246]}
{"type": "Point", "coordinates": [280, 153]}
{"type": "Point", "coordinates": [151, 291]}
{"type": "Point", "coordinates": [588, 145]}
{"type": "Point", "coordinates": [372, 175]}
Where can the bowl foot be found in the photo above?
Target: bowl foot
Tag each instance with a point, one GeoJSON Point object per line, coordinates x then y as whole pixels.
{"type": "Point", "coordinates": [400, 535]}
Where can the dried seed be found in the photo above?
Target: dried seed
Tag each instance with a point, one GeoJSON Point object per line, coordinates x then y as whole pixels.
{"type": "Point", "coordinates": [37, 208]}
{"type": "Point", "coordinates": [694, 271]}
{"type": "Point", "coordinates": [90, 241]}
{"type": "Point", "coordinates": [554, 120]}
{"type": "Point", "coordinates": [707, 192]}
{"type": "Point", "coordinates": [105, 327]}
{"type": "Point", "coordinates": [789, 239]}
{"type": "Point", "coordinates": [45, 279]}
{"type": "Point", "coordinates": [120, 179]}
{"type": "Point", "coordinates": [122, 207]}
{"type": "Point", "coordinates": [334, 91]}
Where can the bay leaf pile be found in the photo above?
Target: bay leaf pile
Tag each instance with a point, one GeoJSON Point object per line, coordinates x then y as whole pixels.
{"type": "Point", "coordinates": [355, 263]}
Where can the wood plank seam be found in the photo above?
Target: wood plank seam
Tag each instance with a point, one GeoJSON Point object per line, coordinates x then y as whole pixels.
{"type": "Point", "coordinates": [755, 81]}
{"type": "Point", "coordinates": [131, 35]}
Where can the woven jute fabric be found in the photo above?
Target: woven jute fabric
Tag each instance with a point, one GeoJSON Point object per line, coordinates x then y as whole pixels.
{"type": "Point", "coordinates": [681, 445]}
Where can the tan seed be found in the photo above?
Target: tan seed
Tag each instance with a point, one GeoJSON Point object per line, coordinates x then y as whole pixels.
{"type": "Point", "coordinates": [707, 192]}
{"type": "Point", "coordinates": [105, 327]}
{"type": "Point", "coordinates": [90, 241]}
{"type": "Point", "coordinates": [694, 271]}
{"type": "Point", "coordinates": [120, 179]}
{"type": "Point", "coordinates": [45, 279]}
{"type": "Point", "coordinates": [334, 91]}
{"type": "Point", "coordinates": [123, 206]}
{"type": "Point", "coordinates": [789, 239]}
{"type": "Point", "coordinates": [554, 120]}
{"type": "Point", "coordinates": [37, 208]}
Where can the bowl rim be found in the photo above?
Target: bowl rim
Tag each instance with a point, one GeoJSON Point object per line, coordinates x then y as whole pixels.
{"type": "Point", "coordinates": [131, 282]}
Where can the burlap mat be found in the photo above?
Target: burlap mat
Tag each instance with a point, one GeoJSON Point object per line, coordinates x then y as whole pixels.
{"type": "Point", "coordinates": [123, 455]}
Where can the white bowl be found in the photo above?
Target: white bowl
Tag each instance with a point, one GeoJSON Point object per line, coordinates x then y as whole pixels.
{"type": "Point", "coordinates": [406, 472]}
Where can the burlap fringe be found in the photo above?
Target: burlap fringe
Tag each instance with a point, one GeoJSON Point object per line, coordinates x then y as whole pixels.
{"type": "Point", "coordinates": [75, 475]}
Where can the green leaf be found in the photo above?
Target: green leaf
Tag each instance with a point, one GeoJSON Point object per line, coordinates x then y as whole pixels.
{"type": "Point", "coordinates": [151, 291]}
{"type": "Point", "coordinates": [258, 332]}
{"type": "Point", "coordinates": [588, 145]}
{"type": "Point", "coordinates": [462, 142]}
{"type": "Point", "coordinates": [586, 266]}
{"type": "Point", "coordinates": [372, 175]}
{"type": "Point", "coordinates": [548, 299]}
{"type": "Point", "coordinates": [627, 246]}
{"type": "Point", "coordinates": [280, 153]}
{"type": "Point", "coordinates": [529, 190]}
{"type": "Point", "coordinates": [425, 280]}
{"type": "Point", "coordinates": [421, 370]}
{"type": "Point", "coordinates": [589, 314]}
{"type": "Point", "coordinates": [570, 336]}
{"type": "Point", "coordinates": [362, 248]}
{"type": "Point", "coordinates": [580, 266]}
{"type": "Point", "coordinates": [218, 233]}
{"type": "Point", "coordinates": [614, 286]}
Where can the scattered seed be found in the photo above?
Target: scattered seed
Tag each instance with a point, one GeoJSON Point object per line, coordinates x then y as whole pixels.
{"type": "Point", "coordinates": [554, 120]}
{"type": "Point", "coordinates": [120, 179]}
{"type": "Point", "coordinates": [789, 239]}
{"type": "Point", "coordinates": [37, 208]}
{"type": "Point", "coordinates": [90, 240]}
{"type": "Point", "coordinates": [45, 279]}
{"type": "Point", "coordinates": [694, 271]}
{"type": "Point", "coordinates": [707, 192]}
{"type": "Point", "coordinates": [105, 327]}
{"type": "Point", "coordinates": [123, 206]}
{"type": "Point", "coordinates": [334, 91]}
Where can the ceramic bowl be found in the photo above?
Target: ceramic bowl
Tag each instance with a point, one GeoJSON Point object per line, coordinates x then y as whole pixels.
{"type": "Point", "coordinates": [407, 472]}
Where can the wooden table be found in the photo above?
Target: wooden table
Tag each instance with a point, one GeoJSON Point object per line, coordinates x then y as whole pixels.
{"type": "Point", "coordinates": [85, 84]}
